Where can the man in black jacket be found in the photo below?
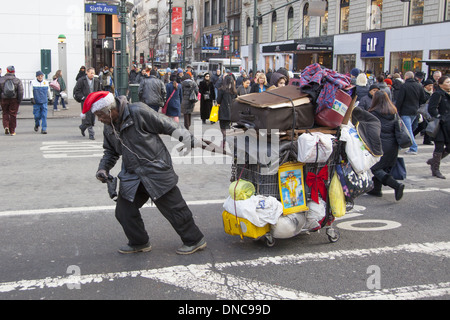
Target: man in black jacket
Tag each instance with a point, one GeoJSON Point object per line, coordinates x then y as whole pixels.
{"type": "Point", "coordinates": [85, 86]}
{"type": "Point", "coordinates": [132, 131]}
{"type": "Point", "coordinates": [409, 99]}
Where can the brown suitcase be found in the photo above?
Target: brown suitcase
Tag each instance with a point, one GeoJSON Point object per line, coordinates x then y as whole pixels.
{"type": "Point", "coordinates": [273, 110]}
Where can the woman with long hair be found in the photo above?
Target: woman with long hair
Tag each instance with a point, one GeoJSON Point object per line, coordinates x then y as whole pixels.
{"type": "Point", "coordinates": [383, 108]}
{"type": "Point", "coordinates": [225, 97]}
{"type": "Point", "coordinates": [439, 106]}
{"type": "Point", "coordinates": [173, 99]}
{"type": "Point", "coordinates": [260, 84]}
{"type": "Point", "coordinates": [57, 93]}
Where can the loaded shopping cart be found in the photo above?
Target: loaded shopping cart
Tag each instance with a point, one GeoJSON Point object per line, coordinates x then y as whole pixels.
{"type": "Point", "coordinates": [288, 163]}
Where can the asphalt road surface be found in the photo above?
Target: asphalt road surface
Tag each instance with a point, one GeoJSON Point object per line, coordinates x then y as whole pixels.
{"type": "Point", "coordinates": [59, 237]}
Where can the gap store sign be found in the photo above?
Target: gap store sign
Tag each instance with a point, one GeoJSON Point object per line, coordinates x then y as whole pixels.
{"type": "Point", "coordinates": [372, 44]}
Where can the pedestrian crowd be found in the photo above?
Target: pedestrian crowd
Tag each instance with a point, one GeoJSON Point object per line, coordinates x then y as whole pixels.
{"type": "Point", "coordinates": [174, 92]}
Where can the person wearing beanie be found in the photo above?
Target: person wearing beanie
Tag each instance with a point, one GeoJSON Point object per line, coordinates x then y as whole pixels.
{"type": "Point", "coordinates": [11, 94]}
{"type": "Point", "coordinates": [366, 101]}
{"type": "Point", "coordinates": [353, 74]}
{"type": "Point", "coordinates": [180, 75]}
{"type": "Point", "coordinates": [132, 130]}
{"type": "Point", "coordinates": [85, 86]}
{"type": "Point", "coordinates": [40, 94]}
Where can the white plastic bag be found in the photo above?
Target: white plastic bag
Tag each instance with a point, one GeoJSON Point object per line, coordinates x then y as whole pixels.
{"type": "Point", "coordinates": [315, 214]}
{"type": "Point", "coordinates": [360, 158]}
{"type": "Point", "coordinates": [288, 226]}
{"type": "Point", "coordinates": [259, 210]}
{"type": "Point", "coordinates": [314, 147]}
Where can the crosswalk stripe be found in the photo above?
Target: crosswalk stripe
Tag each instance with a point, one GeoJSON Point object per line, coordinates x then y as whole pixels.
{"type": "Point", "coordinates": [213, 279]}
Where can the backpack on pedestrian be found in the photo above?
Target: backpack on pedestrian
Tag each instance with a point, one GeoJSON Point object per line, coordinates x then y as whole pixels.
{"type": "Point", "coordinates": [9, 90]}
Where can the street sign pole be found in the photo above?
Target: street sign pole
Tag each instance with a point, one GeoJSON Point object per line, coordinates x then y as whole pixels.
{"type": "Point", "coordinates": [122, 84]}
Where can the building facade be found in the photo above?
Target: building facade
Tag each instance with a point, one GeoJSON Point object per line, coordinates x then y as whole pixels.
{"type": "Point", "coordinates": [28, 26]}
{"type": "Point", "coordinates": [375, 35]}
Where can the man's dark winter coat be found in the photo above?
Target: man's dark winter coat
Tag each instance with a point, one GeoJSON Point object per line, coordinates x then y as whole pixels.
{"type": "Point", "coordinates": [145, 157]}
{"type": "Point", "coordinates": [410, 97]}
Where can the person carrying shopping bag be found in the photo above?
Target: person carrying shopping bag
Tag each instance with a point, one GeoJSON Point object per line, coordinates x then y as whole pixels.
{"type": "Point", "coordinates": [57, 91]}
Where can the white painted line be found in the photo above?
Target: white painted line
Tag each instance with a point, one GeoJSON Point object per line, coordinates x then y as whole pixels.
{"type": "Point", "coordinates": [211, 278]}
{"type": "Point", "coordinates": [89, 209]}
{"type": "Point", "coordinates": [403, 293]}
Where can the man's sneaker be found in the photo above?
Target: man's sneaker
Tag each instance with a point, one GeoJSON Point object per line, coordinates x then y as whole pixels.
{"type": "Point", "coordinates": [184, 249]}
{"type": "Point", "coordinates": [66, 108]}
{"type": "Point", "coordinates": [410, 152]}
{"type": "Point", "coordinates": [43, 131]}
{"type": "Point", "coordinates": [133, 249]}
{"type": "Point", "coordinates": [13, 133]}
{"type": "Point", "coordinates": [6, 130]}
{"type": "Point", "coordinates": [82, 130]}
{"type": "Point", "coordinates": [36, 128]}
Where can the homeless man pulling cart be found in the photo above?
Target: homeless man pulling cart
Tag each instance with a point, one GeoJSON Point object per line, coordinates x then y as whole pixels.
{"type": "Point", "coordinates": [132, 131]}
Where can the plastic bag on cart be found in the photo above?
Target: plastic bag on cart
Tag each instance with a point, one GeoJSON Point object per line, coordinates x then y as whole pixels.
{"type": "Point", "coordinates": [336, 197]}
{"type": "Point", "coordinates": [241, 190]}
{"type": "Point", "coordinates": [288, 226]}
{"type": "Point", "coordinates": [360, 158]}
{"type": "Point", "coordinates": [315, 214]}
{"type": "Point", "coordinates": [314, 147]}
{"type": "Point", "coordinates": [259, 210]}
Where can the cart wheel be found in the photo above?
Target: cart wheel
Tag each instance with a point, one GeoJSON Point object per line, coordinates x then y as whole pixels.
{"type": "Point", "coordinates": [333, 235]}
{"type": "Point", "coordinates": [269, 241]}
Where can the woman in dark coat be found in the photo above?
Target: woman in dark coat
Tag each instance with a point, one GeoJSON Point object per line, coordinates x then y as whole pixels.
{"type": "Point", "coordinates": [187, 106]}
{"type": "Point", "coordinates": [383, 108]}
{"type": "Point", "coordinates": [439, 106]}
{"type": "Point", "coordinates": [225, 97]}
{"type": "Point", "coordinates": [174, 93]}
{"type": "Point", "coordinates": [206, 89]}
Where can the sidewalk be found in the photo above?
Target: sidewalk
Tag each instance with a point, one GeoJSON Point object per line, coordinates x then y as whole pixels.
{"type": "Point", "coordinates": [26, 110]}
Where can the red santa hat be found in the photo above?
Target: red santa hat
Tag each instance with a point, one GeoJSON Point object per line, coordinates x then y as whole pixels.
{"type": "Point", "coordinates": [96, 101]}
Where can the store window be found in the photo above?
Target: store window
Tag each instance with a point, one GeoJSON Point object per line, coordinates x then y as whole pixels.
{"type": "Point", "coordinates": [324, 22]}
{"type": "Point", "coordinates": [416, 12]}
{"type": "Point", "coordinates": [207, 14]}
{"type": "Point", "coordinates": [376, 7]}
{"type": "Point", "coordinates": [273, 35]}
{"type": "Point", "coordinates": [221, 11]}
{"type": "Point", "coordinates": [260, 27]}
{"type": "Point", "coordinates": [214, 12]}
{"type": "Point", "coordinates": [306, 21]}
{"type": "Point", "coordinates": [345, 11]}
{"type": "Point", "coordinates": [405, 61]}
{"type": "Point", "coordinates": [345, 63]}
{"type": "Point", "coordinates": [290, 24]}
{"type": "Point", "coordinates": [247, 31]}
{"type": "Point", "coordinates": [440, 54]}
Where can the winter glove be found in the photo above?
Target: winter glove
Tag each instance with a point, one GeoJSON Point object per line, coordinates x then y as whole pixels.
{"type": "Point", "coordinates": [102, 175]}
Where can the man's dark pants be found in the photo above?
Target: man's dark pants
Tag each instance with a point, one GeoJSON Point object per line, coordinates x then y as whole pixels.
{"type": "Point", "coordinates": [171, 205]}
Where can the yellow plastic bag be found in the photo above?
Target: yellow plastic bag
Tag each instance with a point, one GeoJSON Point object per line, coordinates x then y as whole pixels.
{"type": "Point", "coordinates": [214, 116]}
{"type": "Point", "coordinates": [241, 190]}
{"type": "Point", "coordinates": [337, 197]}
